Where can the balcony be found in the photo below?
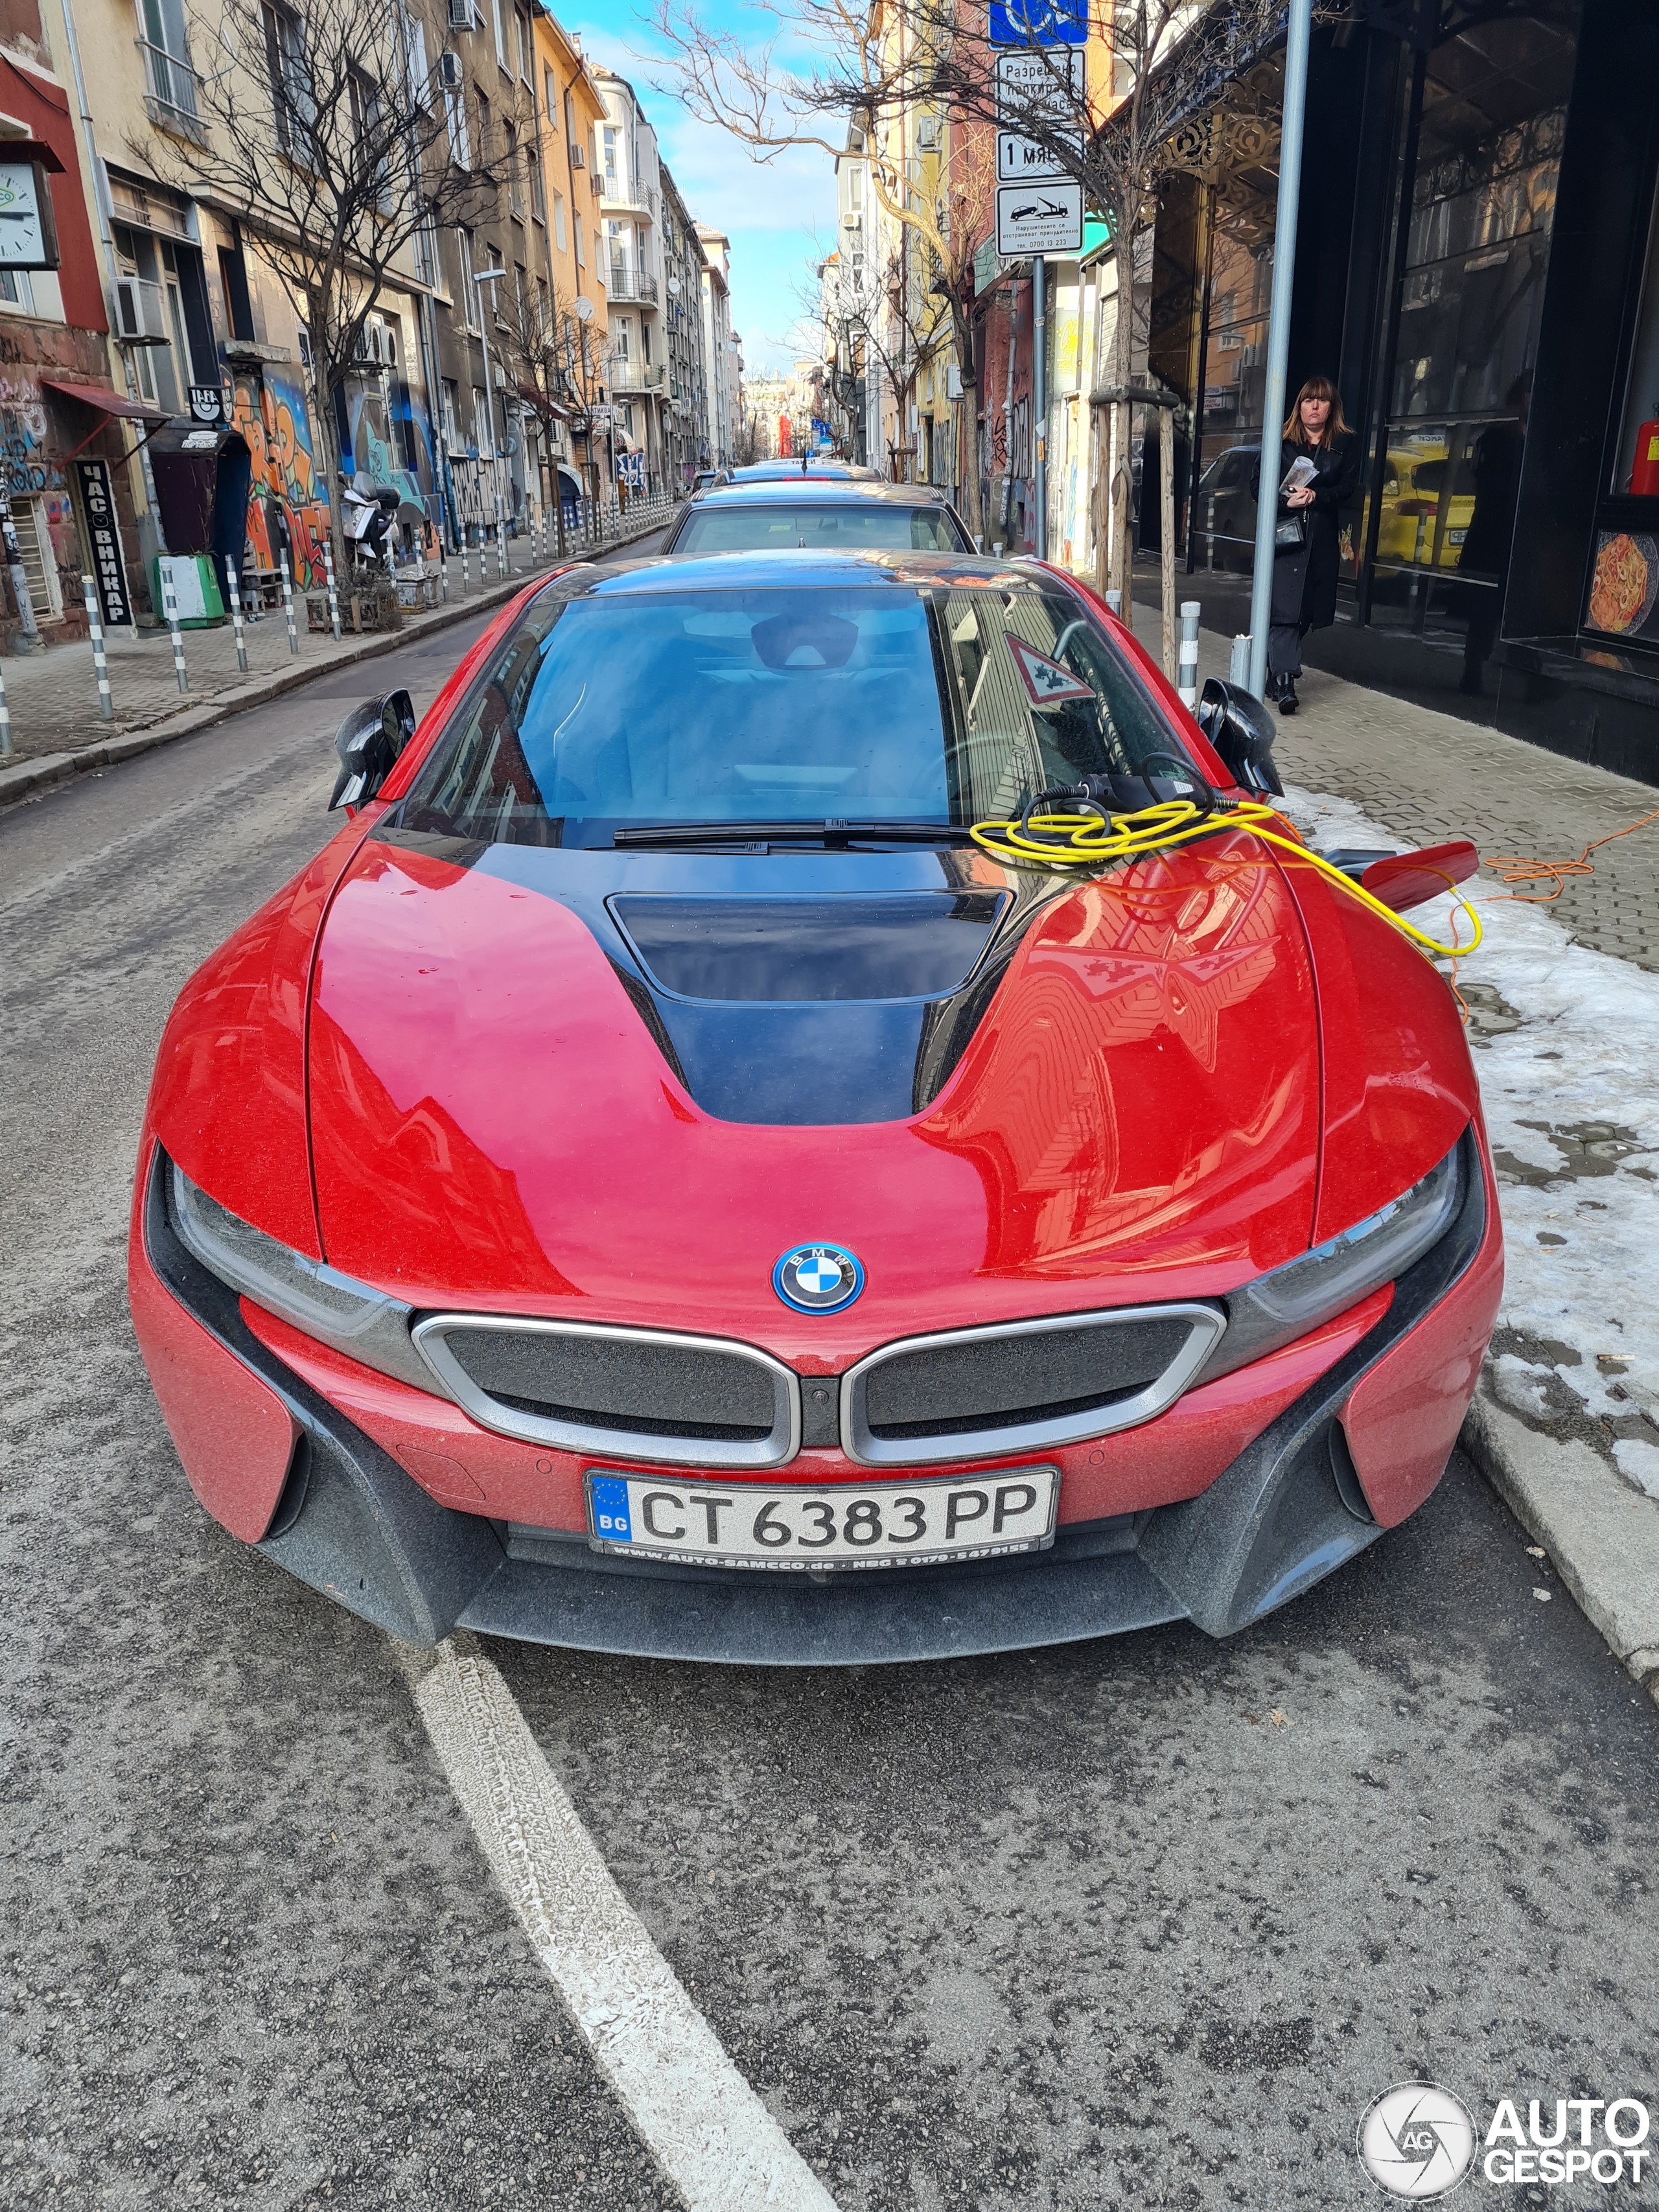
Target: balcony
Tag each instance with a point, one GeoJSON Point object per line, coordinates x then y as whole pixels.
{"type": "Point", "coordinates": [624, 282]}
{"type": "Point", "coordinates": [617, 191]}
{"type": "Point", "coordinates": [637, 376]}
{"type": "Point", "coordinates": [170, 93]}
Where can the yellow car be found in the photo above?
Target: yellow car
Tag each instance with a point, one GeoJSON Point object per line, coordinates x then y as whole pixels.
{"type": "Point", "coordinates": [1413, 485]}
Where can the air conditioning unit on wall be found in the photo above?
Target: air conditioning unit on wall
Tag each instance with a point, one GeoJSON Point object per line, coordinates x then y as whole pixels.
{"type": "Point", "coordinates": [578, 158]}
{"type": "Point", "coordinates": [464, 15]}
{"type": "Point", "coordinates": [138, 313]}
{"type": "Point", "coordinates": [451, 75]}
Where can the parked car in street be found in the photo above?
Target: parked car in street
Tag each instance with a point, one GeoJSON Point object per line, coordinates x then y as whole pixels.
{"type": "Point", "coordinates": [827, 515]}
{"type": "Point", "coordinates": [689, 1170]}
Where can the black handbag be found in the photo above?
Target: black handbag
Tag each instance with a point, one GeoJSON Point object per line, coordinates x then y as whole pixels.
{"type": "Point", "coordinates": [1290, 534]}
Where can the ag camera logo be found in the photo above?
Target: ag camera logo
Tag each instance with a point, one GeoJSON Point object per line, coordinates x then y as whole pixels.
{"type": "Point", "coordinates": [1417, 2140]}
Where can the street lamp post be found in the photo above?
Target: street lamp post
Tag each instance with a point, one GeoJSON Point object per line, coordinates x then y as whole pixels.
{"type": "Point", "coordinates": [481, 277]}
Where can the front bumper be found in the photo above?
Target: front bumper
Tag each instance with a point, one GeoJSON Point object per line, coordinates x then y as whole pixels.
{"type": "Point", "coordinates": [1355, 1452]}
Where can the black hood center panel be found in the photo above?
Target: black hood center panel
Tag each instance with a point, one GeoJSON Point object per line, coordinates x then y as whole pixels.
{"type": "Point", "coordinates": [806, 951]}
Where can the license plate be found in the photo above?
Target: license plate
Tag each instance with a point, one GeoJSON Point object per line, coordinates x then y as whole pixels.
{"type": "Point", "coordinates": [1455, 536]}
{"type": "Point", "coordinates": [849, 1525]}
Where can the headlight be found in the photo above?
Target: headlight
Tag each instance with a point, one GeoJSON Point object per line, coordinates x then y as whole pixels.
{"type": "Point", "coordinates": [1277, 1308]}
{"type": "Point", "coordinates": [364, 1324]}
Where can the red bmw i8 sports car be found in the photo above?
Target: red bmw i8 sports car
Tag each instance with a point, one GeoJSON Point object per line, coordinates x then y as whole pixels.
{"type": "Point", "coordinates": [693, 1169]}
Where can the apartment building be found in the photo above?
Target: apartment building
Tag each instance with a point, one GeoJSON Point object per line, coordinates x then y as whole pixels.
{"type": "Point", "coordinates": [72, 489]}
{"type": "Point", "coordinates": [630, 264]}
{"type": "Point", "coordinates": [685, 420]}
{"type": "Point", "coordinates": [720, 348]}
{"type": "Point", "coordinates": [575, 318]}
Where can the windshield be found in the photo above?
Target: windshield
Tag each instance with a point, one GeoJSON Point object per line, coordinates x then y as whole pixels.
{"type": "Point", "coordinates": [843, 526]}
{"type": "Point", "coordinates": [944, 703]}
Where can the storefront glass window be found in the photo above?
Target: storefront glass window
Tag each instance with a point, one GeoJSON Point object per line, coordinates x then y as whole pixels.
{"type": "Point", "coordinates": [1481, 203]}
{"type": "Point", "coordinates": [1636, 464]}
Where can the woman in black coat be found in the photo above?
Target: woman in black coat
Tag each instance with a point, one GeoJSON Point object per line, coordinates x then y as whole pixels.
{"type": "Point", "coordinates": [1304, 574]}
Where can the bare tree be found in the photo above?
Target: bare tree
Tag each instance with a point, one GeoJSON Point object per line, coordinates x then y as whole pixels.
{"type": "Point", "coordinates": [322, 140]}
{"type": "Point", "coordinates": [1154, 68]}
{"type": "Point", "coordinates": [556, 365]}
{"type": "Point", "coordinates": [725, 78]}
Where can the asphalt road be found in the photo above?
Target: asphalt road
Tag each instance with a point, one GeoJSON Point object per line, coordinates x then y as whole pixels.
{"type": "Point", "coordinates": [1138, 1924]}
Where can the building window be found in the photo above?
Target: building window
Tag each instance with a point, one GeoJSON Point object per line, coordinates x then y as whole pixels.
{"type": "Point", "coordinates": [452, 396]}
{"type": "Point", "coordinates": [515, 175]}
{"type": "Point", "coordinates": [581, 257]}
{"type": "Point", "coordinates": [293, 97]}
{"type": "Point", "coordinates": [485, 122]}
{"type": "Point", "coordinates": [501, 35]}
{"type": "Point", "coordinates": [168, 75]}
{"type": "Point", "coordinates": [455, 116]}
{"type": "Point", "coordinates": [16, 290]}
{"type": "Point", "coordinates": [469, 290]}
{"type": "Point", "coordinates": [550, 96]}
{"type": "Point", "coordinates": [525, 69]}
{"type": "Point", "coordinates": [533, 169]}
{"type": "Point", "coordinates": [558, 221]}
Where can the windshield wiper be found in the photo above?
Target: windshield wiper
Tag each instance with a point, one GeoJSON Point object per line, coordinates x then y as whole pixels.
{"type": "Point", "coordinates": [829, 831]}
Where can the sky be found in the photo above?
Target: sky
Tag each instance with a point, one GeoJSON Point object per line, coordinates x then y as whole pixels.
{"type": "Point", "coordinates": [780, 215]}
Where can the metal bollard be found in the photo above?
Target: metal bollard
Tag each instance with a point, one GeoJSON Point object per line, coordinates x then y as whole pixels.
{"type": "Point", "coordinates": [1238, 663]}
{"type": "Point", "coordinates": [1115, 601]}
{"type": "Point", "coordinates": [170, 609]}
{"type": "Point", "coordinates": [466, 569]}
{"type": "Point", "coordinates": [1187, 685]}
{"type": "Point", "coordinates": [5, 722]}
{"type": "Point", "coordinates": [501, 543]}
{"type": "Point", "coordinates": [333, 595]}
{"type": "Point", "coordinates": [236, 616]}
{"type": "Point", "coordinates": [287, 603]}
{"type": "Point", "coordinates": [100, 662]}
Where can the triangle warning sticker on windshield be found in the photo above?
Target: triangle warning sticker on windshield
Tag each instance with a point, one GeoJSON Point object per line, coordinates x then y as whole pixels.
{"type": "Point", "coordinates": [1048, 684]}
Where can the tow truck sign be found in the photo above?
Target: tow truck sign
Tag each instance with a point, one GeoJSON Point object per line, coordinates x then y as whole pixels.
{"type": "Point", "coordinates": [1039, 218]}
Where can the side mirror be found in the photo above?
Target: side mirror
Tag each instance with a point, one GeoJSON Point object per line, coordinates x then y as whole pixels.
{"type": "Point", "coordinates": [368, 743]}
{"type": "Point", "coordinates": [1242, 732]}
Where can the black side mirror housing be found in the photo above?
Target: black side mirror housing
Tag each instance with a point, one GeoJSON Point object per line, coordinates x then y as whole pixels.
{"type": "Point", "coordinates": [368, 743]}
{"type": "Point", "coordinates": [1242, 732]}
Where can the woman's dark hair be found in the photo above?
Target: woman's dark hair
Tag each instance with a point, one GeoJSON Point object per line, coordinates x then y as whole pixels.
{"type": "Point", "coordinates": [1316, 387]}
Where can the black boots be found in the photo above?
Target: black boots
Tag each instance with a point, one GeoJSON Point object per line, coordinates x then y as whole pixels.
{"type": "Point", "coordinates": [1283, 689]}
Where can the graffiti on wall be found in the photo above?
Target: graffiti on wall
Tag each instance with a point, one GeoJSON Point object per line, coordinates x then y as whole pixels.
{"type": "Point", "coordinates": [23, 439]}
{"type": "Point", "coordinates": [286, 507]}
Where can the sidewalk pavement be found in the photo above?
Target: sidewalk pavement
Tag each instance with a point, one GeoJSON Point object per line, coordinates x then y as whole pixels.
{"type": "Point", "coordinates": [52, 697]}
{"type": "Point", "coordinates": [1563, 1006]}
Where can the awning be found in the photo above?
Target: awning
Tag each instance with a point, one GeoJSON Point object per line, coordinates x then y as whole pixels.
{"type": "Point", "coordinates": [105, 398]}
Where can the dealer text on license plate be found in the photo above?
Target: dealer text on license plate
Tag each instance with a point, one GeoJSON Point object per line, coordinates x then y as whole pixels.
{"type": "Point", "coordinates": [789, 1529]}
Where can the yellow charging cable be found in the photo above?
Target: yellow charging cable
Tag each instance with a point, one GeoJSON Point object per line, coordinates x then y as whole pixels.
{"type": "Point", "coordinates": [1092, 837]}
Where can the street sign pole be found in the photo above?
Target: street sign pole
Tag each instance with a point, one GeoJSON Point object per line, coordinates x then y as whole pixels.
{"type": "Point", "coordinates": [1278, 334]}
{"type": "Point", "coordinates": [1040, 400]}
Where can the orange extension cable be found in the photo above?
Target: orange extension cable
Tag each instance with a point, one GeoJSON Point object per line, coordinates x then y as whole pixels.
{"type": "Point", "coordinates": [1516, 869]}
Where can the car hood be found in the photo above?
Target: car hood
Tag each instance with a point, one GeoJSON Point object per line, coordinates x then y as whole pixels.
{"type": "Point", "coordinates": [524, 1097]}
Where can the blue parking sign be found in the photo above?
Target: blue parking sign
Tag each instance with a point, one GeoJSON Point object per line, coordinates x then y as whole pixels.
{"type": "Point", "coordinates": [1039, 22]}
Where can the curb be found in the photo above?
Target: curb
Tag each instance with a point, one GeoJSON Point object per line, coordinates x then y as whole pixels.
{"type": "Point", "coordinates": [25, 778]}
{"type": "Point", "coordinates": [1602, 1537]}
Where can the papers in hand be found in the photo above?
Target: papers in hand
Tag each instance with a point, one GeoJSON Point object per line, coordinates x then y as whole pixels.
{"type": "Point", "coordinates": [1301, 471]}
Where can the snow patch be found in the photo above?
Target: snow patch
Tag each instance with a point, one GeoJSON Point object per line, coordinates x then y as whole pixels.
{"type": "Point", "coordinates": [1639, 1462]}
{"type": "Point", "coordinates": [1572, 1112]}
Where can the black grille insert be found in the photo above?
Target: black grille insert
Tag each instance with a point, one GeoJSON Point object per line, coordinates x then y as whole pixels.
{"type": "Point", "coordinates": [1039, 1374]}
{"type": "Point", "coordinates": [636, 1385]}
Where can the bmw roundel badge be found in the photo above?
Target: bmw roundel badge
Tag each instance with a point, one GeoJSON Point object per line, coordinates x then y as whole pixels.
{"type": "Point", "coordinates": [817, 1278]}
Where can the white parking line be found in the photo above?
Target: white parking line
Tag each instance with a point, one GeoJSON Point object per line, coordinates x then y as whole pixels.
{"type": "Point", "coordinates": [711, 2134]}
